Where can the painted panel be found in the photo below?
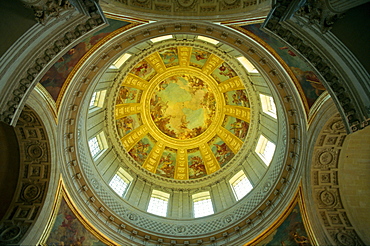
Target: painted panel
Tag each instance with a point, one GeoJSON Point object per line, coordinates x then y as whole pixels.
{"type": "Point", "coordinates": [127, 124]}
{"type": "Point", "coordinates": [128, 95]}
{"type": "Point", "coordinates": [142, 149]}
{"type": "Point", "coordinates": [221, 151]}
{"type": "Point", "coordinates": [170, 57]}
{"type": "Point", "coordinates": [197, 168]}
{"type": "Point", "coordinates": [144, 70]}
{"type": "Point", "coordinates": [237, 126]}
{"type": "Point", "coordinates": [68, 230]}
{"type": "Point", "coordinates": [198, 58]}
{"type": "Point", "coordinates": [290, 232]}
{"type": "Point", "coordinates": [237, 98]}
{"type": "Point", "coordinates": [223, 73]}
{"type": "Point", "coordinates": [54, 78]}
{"type": "Point", "coordinates": [166, 166]}
{"type": "Point", "coordinates": [182, 107]}
{"type": "Point", "coordinates": [311, 85]}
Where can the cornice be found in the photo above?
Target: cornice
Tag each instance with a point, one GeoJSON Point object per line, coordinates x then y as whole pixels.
{"type": "Point", "coordinates": [34, 179]}
{"type": "Point", "coordinates": [329, 219]}
{"type": "Point", "coordinates": [333, 65]}
{"type": "Point", "coordinates": [35, 53]}
{"type": "Point", "coordinates": [248, 217]}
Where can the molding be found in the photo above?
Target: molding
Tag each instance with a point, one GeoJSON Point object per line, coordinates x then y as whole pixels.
{"type": "Point", "coordinates": [34, 178]}
{"type": "Point", "coordinates": [35, 52]}
{"type": "Point", "coordinates": [192, 10]}
{"type": "Point", "coordinates": [330, 222]}
{"type": "Point", "coordinates": [298, 198]}
{"type": "Point", "coordinates": [62, 193]}
{"type": "Point", "coordinates": [129, 224]}
{"type": "Point", "coordinates": [331, 65]}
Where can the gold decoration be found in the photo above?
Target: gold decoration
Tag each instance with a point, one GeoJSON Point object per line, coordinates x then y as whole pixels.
{"type": "Point", "coordinates": [183, 109]}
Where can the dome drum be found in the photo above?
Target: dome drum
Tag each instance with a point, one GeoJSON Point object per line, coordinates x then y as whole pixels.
{"type": "Point", "coordinates": [218, 103]}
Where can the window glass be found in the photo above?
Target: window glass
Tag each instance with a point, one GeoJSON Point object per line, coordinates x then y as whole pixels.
{"type": "Point", "coordinates": [158, 203]}
{"type": "Point", "coordinates": [97, 99]}
{"type": "Point", "coordinates": [161, 38]}
{"type": "Point", "coordinates": [268, 105]}
{"type": "Point", "coordinates": [119, 62]}
{"type": "Point", "coordinates": [247, 65]}
{"type": "Point", "coordinates": [240, 185]}
{"type": "Point", "coordinates": [94, 146]}
{"type": "Point", "coordinates": [265, 149]}
{"type": "Point", "coordinates": [98, 144]}
{"type": "Point", "coordinates": [202, 204]}
{"type": "Point", "coordinates": [209, 40]}
{"type": "Point", "coordinates": [120, 182]}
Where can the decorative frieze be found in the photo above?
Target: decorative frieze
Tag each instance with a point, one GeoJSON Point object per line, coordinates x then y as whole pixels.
{"type": "Point", "coordinates": [350, 107]}
{"type": "Point", "coordinates": [324, 181]}
{"type": "Point", "coordinates": [34, 179]}
{"type": "Point", "coordinates": [53, 48]}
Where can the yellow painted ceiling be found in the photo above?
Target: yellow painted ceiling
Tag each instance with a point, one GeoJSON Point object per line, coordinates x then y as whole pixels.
{"type": "Point", "coordinates": [182, 113]}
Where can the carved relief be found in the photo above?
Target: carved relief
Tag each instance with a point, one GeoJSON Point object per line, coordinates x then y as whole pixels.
{"type": "Point", "coordinates": [324, 173]}
{"type": "Point", "coordinates": [10, 234]}
{"type": "Point", "coordinates": [142, 3]}
{"type": "Point", "coordinates": [31, 192]}
{"type": "Point", "coordinates": [132, 217]}
{"type": "Point", "coordinates": [326, 158]}
{"type": "Point", "coordinates": [228, 219]}
{"type": "Point", "coordinates": [318, 13]}
{"type": "Point", "coordinates": [44, 10]}
{"type": "Point", "coordinates": [327, 198]}
{"type": "Point", "coordinates": [179, 229]}
{"type": "Point", "coordinates": [36, 152]}
{"type": "Point", "coordinates": [33, 183]}
{"type": "Point", "coordinates": [185, 4]}
{"type": "Point", "coordinates": [266, 187]}
{"type": "Point", "coordinates": [197, 7]}
{"type": "Point", "coordinates": [52, 49]}
{"type": "Point", "coordinates": [345, 237]}
{"type": "Point", "coordinates": [230, 4]}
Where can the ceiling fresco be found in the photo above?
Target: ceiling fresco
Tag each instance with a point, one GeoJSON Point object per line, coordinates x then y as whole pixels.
{"type": "Point", "coordinates": [182, 113]}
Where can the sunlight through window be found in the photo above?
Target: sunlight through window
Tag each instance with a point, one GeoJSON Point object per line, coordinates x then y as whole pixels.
{"type": "Point", "coordinates": [98, 144]}
{"type": "Point", "coordinates": [265, 149]}
{"type": "Point", "coordinates": [268, 105]}
{"type": "Point", "coordinates": [120, 182]}
{"type": "Point", "coordinates": [158, 203]}
{"type": "Point", "coordinates": [240, 185]}
{"type": "Point", "coordinates": [202, 204]}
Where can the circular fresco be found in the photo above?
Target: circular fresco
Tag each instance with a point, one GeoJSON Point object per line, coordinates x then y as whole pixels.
{"type": "Point", "coordinates": [182, 106]}
{"type": "Point", "coordinates": [182, 113]}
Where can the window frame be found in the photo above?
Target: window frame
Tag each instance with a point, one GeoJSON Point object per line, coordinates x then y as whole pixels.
{"type": "Point", "coordinates": [125, 178]}
{"type": "Point", "coordinates": [268, 105]}
{"type": "Point", "coordinates": [262, 149]}
{"type": "Point", "coordinates": [154, 200]}
{"type": "Point", "coordinates": [101, 142]}
{"type": "Point", "coordinates": [201, 197]}
{"type": "Point", "coordinates": [97, 99]}
{"type": "Point", "coordinates": [237, 179]}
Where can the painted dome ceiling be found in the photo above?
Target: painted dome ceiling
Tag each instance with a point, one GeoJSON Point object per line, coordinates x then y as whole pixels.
{"type": "Point", "coordinates": [182, 112]}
